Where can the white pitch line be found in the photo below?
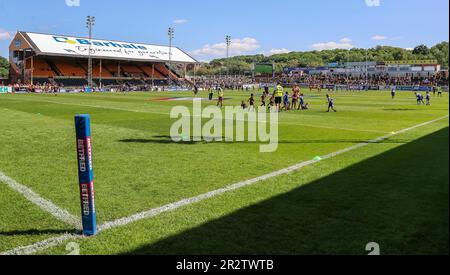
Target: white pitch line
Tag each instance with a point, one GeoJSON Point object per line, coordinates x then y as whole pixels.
{"type": "Point", "coordinates": [162, 113]}
{"type": "Point", "coordinates": [42, 245]}
{"type": "Point", "coordinates": [47, 206]}
{"type": "Point", "coordinates": [31, 249]}
{"type": "Point", "coordinates": [173, 206]}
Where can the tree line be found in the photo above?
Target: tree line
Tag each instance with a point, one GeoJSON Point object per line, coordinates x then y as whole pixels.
{"type": "Point", "coordinates": [241, 64]}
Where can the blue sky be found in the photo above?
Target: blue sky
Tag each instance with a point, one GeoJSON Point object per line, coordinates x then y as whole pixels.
{"type": "Point", "coordinates": [257, 26]}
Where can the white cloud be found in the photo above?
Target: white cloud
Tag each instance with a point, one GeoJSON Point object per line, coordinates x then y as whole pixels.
{"type": "Point", "coordinates": [344, 43]}
{"type": "Point", "coordinates": [373, 3]}
{"type": "Point", "coordinates": [379, 37]}
{"type": "Point", "coordinates": [180, 21]}
{"type": "Point", "coordinates": [4, 35]}
{"type": "Point", "coordinates": [279, 51]}
{"type": "Point", "coordinates": [409, 49]}
{"type": "Point", "coordinates": [237, 47]}
{"type": "Point", "coordinates": [73, 3]}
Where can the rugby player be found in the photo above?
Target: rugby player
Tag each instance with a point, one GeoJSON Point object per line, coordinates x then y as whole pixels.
{"type": "Point", "coordinates": [330, 101]}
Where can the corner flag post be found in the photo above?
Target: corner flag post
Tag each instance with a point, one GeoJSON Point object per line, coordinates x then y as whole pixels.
{"type": "Point", "coordinates": [85, 174]}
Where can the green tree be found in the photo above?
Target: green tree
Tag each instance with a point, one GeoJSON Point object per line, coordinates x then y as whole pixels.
{"type": "Point", "coordinates": [421, 50]}
{"type": "Point", "coordinates": [4, 67]}
{"type": "Point", "coordinates": [440, 53]}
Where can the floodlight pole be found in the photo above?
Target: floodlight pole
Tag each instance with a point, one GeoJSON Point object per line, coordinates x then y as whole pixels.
{"type": "Point", "coordinates": [367, 68]}
{"type": "Point", "coordinates": [32, 70]}
{"type": "Point", "coordinates": [228, 42]}
{"type": "Point", "coordinates": [171, 34]}
{"type": "Point", "coordinates": [90, 22]}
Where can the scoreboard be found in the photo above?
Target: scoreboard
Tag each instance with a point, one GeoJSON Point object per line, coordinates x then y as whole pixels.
{"type": "Point", "coordinates": [264, 69]}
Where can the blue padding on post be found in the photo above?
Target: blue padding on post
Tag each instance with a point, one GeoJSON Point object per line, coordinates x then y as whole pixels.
{"type": "Point", "coordinates": [86, 174]}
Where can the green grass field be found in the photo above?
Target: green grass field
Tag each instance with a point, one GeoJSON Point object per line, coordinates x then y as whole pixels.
{"type": "Point", "coordinates": [393, 192]}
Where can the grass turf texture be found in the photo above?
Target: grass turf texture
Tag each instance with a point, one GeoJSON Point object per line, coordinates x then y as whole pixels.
{"type": "Point", "coordinates": [395, 192]}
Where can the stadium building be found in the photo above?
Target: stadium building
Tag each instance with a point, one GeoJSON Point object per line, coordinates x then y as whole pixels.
{"type": "Point", "coordinates": [63, 60]}
{"type": "Point", "coordinates": [421, 68]}
{"type": "Point", "coordinates": [414, 68]}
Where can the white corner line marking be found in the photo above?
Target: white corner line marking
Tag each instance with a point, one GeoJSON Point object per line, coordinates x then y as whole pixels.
{"type": "Point", "coordinates": [46, 205]}
{"type": "Point", "coordinates": [51, 242]}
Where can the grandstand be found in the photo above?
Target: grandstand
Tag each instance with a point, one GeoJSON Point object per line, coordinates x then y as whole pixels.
{"type": "Point", "coordinates": [37, 58]}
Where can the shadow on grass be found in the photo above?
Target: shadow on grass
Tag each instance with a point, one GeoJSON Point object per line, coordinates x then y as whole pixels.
{"type": "Point", "coordinates": [34, 232]}
{"type": "Point", "coordinates": [168, 140]}
{"type": "Point", "coordinates": [398, 199]}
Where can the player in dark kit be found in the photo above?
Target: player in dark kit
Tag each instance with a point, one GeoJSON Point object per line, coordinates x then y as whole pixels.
{"type": "Point", "coordinates": [195, 90]}
{"type": "Point", "coordinates": [330, 101]}
{"type": "Point", "coordinates": [302, 103]}
{"type": "Point", "coordinates": [251, 102]}
{"type": "Point", "coordinates": [266, 90]}
{"type": "Point", "coordinates": [286, 103]}
{"type": "Point", "coordinates": [428, 98]}
{"type": "Point", "coordinates": [263, 100]}
{"type": "Point", "coordinates": [393, 91]}
{"type": "Point", "coordinates": [271, 103]}
{"type": "Point", "coordinates": [419, 98]}
{"type": "Point", "coordinates": [211, 95]}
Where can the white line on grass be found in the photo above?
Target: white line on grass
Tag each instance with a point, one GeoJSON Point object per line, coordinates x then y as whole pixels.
{"type": "Point", "coordinates": [42, 203]}
{"type": "Point", "coordinates": [173, 206]}
{"type": "Point", "coordinates": [31, 249]}
{"type": "Point", "coordinates": [42, 245]}
{"type": "Point", "coordinates": [162, 113]}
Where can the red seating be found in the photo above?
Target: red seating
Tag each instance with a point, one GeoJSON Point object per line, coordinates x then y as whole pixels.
{"type": "Point", "coordinates": [41, 68]}
{"type": "Point", "coordinates": [78, 69]}
{"type": "Point", "coordinates": [96, 71]}
{"type": "Point", "coordinates": [148, 69]}
{"type": "Point", "coordinates": [68, 68]}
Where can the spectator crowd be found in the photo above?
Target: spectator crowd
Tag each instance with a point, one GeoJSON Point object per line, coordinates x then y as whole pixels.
{"type": "Point", "coordinates": [249, 82]}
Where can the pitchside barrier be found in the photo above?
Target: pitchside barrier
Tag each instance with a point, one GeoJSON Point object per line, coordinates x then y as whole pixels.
{"type": "Point", "coordinates": [86, 174]}
{"type": "Point", "coordinates": [370, 88]}
{"type": "Point", "coordinates": [5, 90]}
